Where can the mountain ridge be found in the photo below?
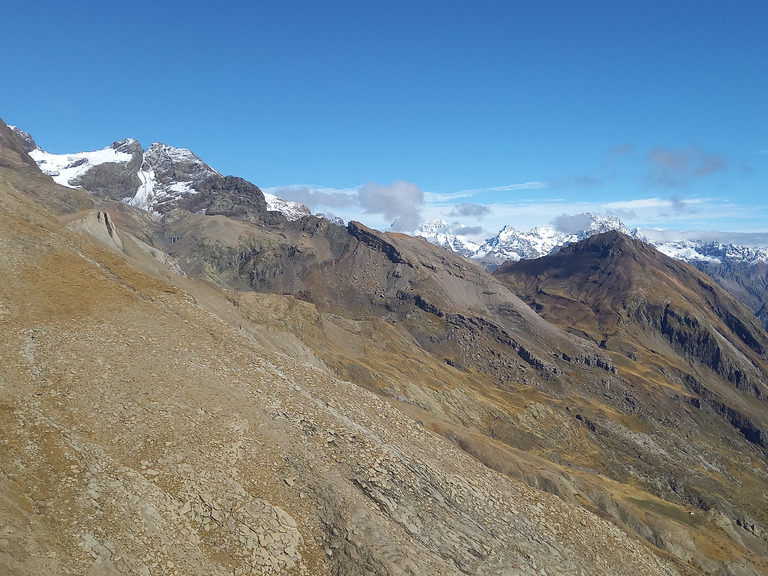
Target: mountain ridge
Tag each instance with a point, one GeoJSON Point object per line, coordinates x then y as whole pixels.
{"type": "Point", "coordinates": [155, 179]}
{"type": "Point", "coordinates": [167, 173]}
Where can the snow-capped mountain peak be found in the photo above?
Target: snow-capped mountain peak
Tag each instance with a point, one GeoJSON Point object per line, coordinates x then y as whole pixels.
{"type": "Point", "coordinates": [167, 173]}
{"type": "Point", "coordinates": [453, 237]}
{"type": "Point", "coordinates": [712, 252]}
{"type": "Point", "coordinates": [152, 179]}
{"type": "Point", "coordinates": [513, 244]}
{"type": "Point", "coordinates": [291, 210]}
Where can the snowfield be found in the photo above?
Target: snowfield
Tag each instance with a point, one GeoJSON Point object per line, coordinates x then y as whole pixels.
{"type": "Point", "coordinates": [65, 168]}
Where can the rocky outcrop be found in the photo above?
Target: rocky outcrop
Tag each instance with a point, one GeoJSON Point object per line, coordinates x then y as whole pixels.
{"type": "Point", "coordinates": [114, 180]}
{"type": "Point", "coordinates": [699, 342]}
{"type": "Point", "coordinates": [27, 142]}
{"type": "Point", "coordinates": [377, 242]}
{"type": "Point", "coordinates": [15, 147]}
{"type": "Point", "coordinates": [99, 225]}
{"type": "Point", "coordinates": [746, 280]}
{"type": "Point", "coordinates": [229, 196]}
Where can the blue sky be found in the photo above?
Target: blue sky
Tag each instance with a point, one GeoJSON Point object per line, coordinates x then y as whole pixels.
{"type": "Point", "coordinates": [485, 113]}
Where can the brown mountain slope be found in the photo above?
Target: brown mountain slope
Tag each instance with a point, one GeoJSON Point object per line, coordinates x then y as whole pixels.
{"type": "Point", "coordinates": [140, 433]}
{"type": "Point", "coordinates": [448, 345]}
{"type": "Point", "coordinates": [696, 354]}
{"type": "Point", "coordinates": [748, 282]}
{"type": "Point", "coordinates": [624, 295]}
{"type": "Point", "coordinates": [194, 408]}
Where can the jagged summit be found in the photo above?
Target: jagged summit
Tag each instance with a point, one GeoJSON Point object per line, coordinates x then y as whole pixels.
{"type": "Point", "coordinates": [513, 244]}
{"type": "Point", "coordinates": [167, 174]}
{"type": "Point", "coordinates": [452, 237]}
{"type": "Point", "coordinates": [711, 252]}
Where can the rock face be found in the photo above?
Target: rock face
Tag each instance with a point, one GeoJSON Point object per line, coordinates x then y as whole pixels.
{"type": "Point", "coordinates": [26, 140]}
{"type": "Point", "coordinates": [167, 175]}
{"type": "Point", "coordinates": [308, 398]}
{"type": "Point", "coordinates": [113, 179]}
{"type": "Point", "coordinates": [231, 197]}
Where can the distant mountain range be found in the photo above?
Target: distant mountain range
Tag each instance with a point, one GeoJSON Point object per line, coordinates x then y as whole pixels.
{"type": "Point", "coordinates": [512, 244]}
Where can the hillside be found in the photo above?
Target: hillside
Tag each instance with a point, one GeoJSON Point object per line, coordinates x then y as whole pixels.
{"type": "Point", "coordinates": [236, 392]}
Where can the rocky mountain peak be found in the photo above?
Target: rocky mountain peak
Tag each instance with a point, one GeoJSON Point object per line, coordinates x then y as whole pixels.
{"type": "Point", "coordinates": [26, 140]}
{"type": "Point", "coordinates": [13, 148]}
{"type": "Point", "coordinates": [127, 145]}
{"type": "Point", "coordinates": [160, 156]}
{"type": "Point", "coordinates": [167, 174]}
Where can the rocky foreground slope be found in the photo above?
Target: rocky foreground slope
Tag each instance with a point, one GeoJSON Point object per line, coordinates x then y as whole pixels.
{"type": "Point", "coordinates": [232, 392]}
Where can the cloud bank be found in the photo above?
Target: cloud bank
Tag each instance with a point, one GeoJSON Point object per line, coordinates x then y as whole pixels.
{"type": "Point", "coordinates": [314, 196]}
{"type": "Point", "coordinates": [469, 210]}
{"type": "Point", "coordinates": [571, 223]}
{"type": "Point", "coordinates": [399, 203]}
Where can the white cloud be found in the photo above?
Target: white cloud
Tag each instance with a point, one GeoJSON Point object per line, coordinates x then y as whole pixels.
{"type": "Point", "coordinates": [400, 202]}
{"type": "Point", "coordinates": [396, 206]}
{"type": "Point", "coordinates": [469, 193]}
{"type": "Point", "coordinates": [571, 223]}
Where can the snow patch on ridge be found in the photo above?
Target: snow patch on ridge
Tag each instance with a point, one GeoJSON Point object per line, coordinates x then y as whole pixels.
{"type": "Point", "coordinates": [64, 168]}
{"type": "Point", "coordinates": [291, 210]}
{"type": "Point", "coordinates": [146, 191]}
